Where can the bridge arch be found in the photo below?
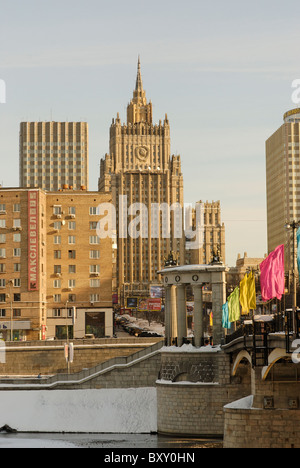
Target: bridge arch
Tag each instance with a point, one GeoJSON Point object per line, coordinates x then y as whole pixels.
{"type": "Point", "coordinates": [242, 355]}
{"type": "Point", "coordinates": [275, 355]}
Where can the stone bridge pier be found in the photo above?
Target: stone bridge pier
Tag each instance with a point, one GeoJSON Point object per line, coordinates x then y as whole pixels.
{"type": "Point", "coordinates": [195, 381]}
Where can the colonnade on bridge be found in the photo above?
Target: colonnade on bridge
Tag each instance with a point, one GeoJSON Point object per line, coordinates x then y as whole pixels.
{"type": "Point", "coordinates": [176, 280]}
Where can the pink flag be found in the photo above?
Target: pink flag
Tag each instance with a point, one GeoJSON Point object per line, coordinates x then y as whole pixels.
{"type": "Point", "coordinates": [272, 275]}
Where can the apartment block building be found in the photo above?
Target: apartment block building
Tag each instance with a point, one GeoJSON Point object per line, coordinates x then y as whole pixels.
{"type": "Point", "coordinates": [55, 272]}
{"type": "Point", "coordinates": [53, 155]}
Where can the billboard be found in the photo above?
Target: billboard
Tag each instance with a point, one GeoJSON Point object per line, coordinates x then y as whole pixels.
{"type": "Point", "coordinates": [156, 291]}
{"type": "Point", "coordinates": [142, 304]}
{"type": "Point", "coordinates": [154, 305]}
{"type": "Point", "coordinates": [131, 302]}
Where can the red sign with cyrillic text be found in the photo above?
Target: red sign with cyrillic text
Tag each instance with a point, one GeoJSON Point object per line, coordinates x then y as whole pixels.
{"type": "Point", "coordinates": [33, 240]}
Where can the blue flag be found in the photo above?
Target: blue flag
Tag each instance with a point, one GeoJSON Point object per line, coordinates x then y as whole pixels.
{"type": "Point", "coordinates": [225, 316]}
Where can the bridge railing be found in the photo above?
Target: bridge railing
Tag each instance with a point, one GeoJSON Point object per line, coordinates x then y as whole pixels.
{"type": "Point", "coordinates": [275, 323]}
{"type": "Point", "coordinates": [260, 327]}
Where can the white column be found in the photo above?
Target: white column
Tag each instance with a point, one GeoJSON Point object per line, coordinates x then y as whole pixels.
{"type": "Point", "coordinates": [173, 314]}
{"type": "Point", "coordinates": [168, 329]}
{"type": "Point", "coordinates": [181, 314]}
{"type": "Point", "coordinates": [198, 315]}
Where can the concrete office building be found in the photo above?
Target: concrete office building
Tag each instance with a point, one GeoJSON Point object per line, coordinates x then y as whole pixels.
{"type": "Point", "coordinates": [53, 155]}
{"type": "Point", "coordinates": [283, 183]}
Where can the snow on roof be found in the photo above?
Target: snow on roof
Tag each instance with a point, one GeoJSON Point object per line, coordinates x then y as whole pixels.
{"type": "Point", "coordinates": [188, 348]}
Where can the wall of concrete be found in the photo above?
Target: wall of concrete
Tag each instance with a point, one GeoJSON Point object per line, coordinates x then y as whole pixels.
{"type": "Point", "coordinates": [47, 358]}
{"type": "Point", "coordinates": [258, 428]}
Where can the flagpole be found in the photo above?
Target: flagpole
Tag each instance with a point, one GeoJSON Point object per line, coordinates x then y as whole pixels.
{"type": "Point", "coordinates": [294, 225]}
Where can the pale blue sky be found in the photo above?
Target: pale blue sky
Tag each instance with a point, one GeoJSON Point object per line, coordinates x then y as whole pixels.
{"type": "Point", "coordinates": [221, 70]}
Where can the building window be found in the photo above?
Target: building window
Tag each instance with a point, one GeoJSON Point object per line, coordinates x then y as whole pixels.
{"type": "Point", "coordinates": [57, 210]}
{"type": "Point", "coordinates": [72, 254]}
{"type": "Point", "coordinates": [17, 267]}
{"type": "Point", "coordinates": [17, 282]}
{"type": "Point", "coordinates": [72, 240]}
{"type": "Point", "coordinates": [57, 254]}
{"type": "Point", "coordinates": [94, 211]}
{"type": "Point", "coordinates": [2, 223]}
{"type": "Point", "coordinates": [57, 269]}
{"type": "Point", "coordinates": [94, 254]}
{"type": "Point", "coordinates": [2, 253]}
{"type": "Point", "coordinates": [2, 283]}
{"type": "Point", "coordinates": [17, 297]}
{"type": "Point", "coordinates": [2, 268]}
{"type": "Point", "coordinates": [17, 207]}
{"type": "Point", "coordinates": [57, 284]}
{"type": "Point", "coordinates": [72, 297]}
{"type": "Point", "coordinates": [94, 297]}
{"type": "Point", "coordinates": [72, 283]}
{"type": "Point", "coordinates": [94, 269]}
{"type": "Point", "coordinates": [17, 252]}
{"type": "Point", "coordinates": [72, 269]}
{"type": "Point", "coordinates": [2, 207]}
{"type": "Point", "coordinates": [94, 283]}
{"type": "Point", "coordinates": [16, 223]}
{"type": "Point", "coordinates": [94, 240]}
{"type": "Point", "coordinates": [57, 297]}
{"type": "Point", "coordinates": [2, 238]}
{"type": "Point", "coordinates": [17, 237]}
{"type": "Point", "coordinates": [57, 239]}
{"type": "Point", "coordinates": [56, 313]}
{"type": "Point", "coordinates": [17, 312]}
{"type": "Point", "coordinates": [93, 225]}
{"type": "Point", "coordinates": [72, 210]}
{"type": "Point", "coordinates": [2, 312]}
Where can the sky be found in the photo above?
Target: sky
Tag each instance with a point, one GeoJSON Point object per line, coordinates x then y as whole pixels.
{"type": "Point", "coordinates": [221, 70]}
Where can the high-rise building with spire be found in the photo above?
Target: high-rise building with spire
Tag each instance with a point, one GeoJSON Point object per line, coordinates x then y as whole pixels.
{"type": "Point", "coordinates": [140, 169]}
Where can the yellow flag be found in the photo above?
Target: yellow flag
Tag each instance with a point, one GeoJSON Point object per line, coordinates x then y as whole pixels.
{"type": "Point", "coordinates": [251, 291]}
{"type": "Point", "coordinates": [244, 295]}
{"type": "Point", "coordinates": [234, 306]}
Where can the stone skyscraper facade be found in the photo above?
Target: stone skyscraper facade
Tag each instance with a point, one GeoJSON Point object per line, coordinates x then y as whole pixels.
{"type": "Point", "coordinates": [140, 169]}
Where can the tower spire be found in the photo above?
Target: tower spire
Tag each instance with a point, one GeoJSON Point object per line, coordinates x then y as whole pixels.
{"type": "Point", "coordinates": [138, 109]}
{"type": "Point", "coordinates": [139, 82]}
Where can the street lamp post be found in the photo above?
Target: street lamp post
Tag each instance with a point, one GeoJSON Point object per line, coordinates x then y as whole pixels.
{"type": "Point", "coordinates": [294, 225]}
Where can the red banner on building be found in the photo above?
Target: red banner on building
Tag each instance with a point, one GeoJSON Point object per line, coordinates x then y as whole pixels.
{"type": "Point", "coordinates": [33, 240]}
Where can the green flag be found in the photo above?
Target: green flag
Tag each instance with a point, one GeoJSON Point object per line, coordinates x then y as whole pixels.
{"type": "Point", "coordinates": [234, 306]}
